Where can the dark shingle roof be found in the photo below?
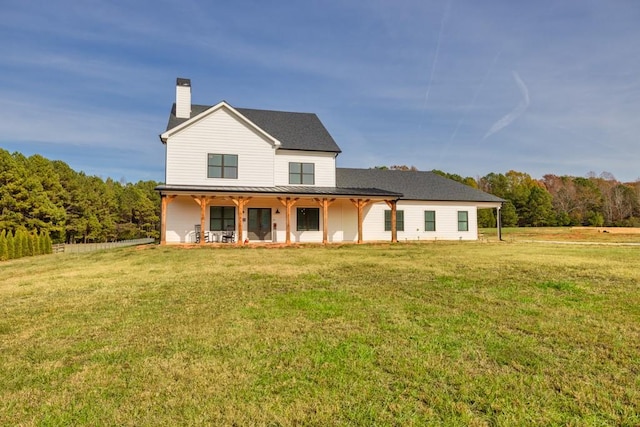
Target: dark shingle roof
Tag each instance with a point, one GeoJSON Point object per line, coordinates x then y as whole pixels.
{"type": "Point", "coordinates": [295, 131]}
{"type": "Point", "coordinates": [414, 185]}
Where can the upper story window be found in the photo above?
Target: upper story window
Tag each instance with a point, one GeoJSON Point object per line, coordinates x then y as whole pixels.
{"type": "Point", "coordinates": [222, 166]}
{"type": "Point", "coordinates": [399, 220]}
{"type": "Point", "coordinates": [463, 221]}
{"type": "Point", "coordinates": [301, 173]}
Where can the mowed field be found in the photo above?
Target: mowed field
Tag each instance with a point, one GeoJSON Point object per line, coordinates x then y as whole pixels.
{"type": "Point", "coordinates": [432, 333]}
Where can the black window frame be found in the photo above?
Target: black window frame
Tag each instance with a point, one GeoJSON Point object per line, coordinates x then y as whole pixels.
{"type": "Point", "coordinates": [298, 175]}
{"type": "Point", "coordinates": [227, 218]}
{"type": "Point", "coordinates": [399, 220]}
{"type": "Point", "coordinates": [226, 169]}
{"type": "Point", "coordinates": [463, 223]}
{"type": "Point", "coordinates": [308, 219]}
{"type": "Point", "coordinates": [429, 221]}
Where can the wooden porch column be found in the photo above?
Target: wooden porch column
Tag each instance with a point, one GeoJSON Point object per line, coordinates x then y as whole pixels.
{"type": "Point", "coordinates": [360, 204]}
{"type": "Point", "coordinates": [163, 217]}
{"type": "Point", "coordinates": [394, 223]}
{"type": "Point", "coordinates": [324, 204]}
{"type": "Point", "coordinates": [288, 204]}
{"type": "Point", "coordinates": [240, 203]}
{"type": "Point", "coordinates": [202, 201]}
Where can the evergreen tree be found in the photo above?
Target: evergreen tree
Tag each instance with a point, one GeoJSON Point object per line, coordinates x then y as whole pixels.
{"type": "Point", "coordinates": [42, 243]}
{"type": "Point", "coordinates": [48, 245]}
{"type": "Point", "coordinates": [32, 244]}
{"type": "Point", "coordinates": [18, 244]}
{"type": "Point", "coordinates": [508, 215]}
{"type": "Point", "coordinates": [11, 245]}
{"type": "Point", "coordinates": [4, 250]}
{"type": "Point", "coordinates": [538, 210]}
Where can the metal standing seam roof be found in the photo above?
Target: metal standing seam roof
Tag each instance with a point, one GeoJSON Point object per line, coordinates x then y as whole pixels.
{"type": "Point", "coordinates": [413, 185]}
{"type": "Point", "coordinates": [295, 131]}
{"type": "Point", "coordinates": [284, 190]}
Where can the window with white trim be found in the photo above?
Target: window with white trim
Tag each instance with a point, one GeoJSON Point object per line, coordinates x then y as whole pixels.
{"type": "Point", "coordinates": [301, 173]}
{"type": "Point", "coordinates": [222, 166]}
{"type": "Point", "coordinates": [429, 220]}
{"type": "Point", "coordinates": [463, 221]}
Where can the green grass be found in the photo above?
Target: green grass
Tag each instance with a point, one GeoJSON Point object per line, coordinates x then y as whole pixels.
{"type": "Point", "coordinates": [454, 333]}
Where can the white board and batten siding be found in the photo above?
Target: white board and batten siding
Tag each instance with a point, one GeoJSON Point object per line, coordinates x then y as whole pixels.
{"type": "Point", "coordinates": [220, 132]}
{"type": "Point", "coordinates": [324, 166]}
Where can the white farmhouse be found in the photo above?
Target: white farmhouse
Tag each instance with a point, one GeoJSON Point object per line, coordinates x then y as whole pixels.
{"type": "Point", "coordinates": [244, 175]}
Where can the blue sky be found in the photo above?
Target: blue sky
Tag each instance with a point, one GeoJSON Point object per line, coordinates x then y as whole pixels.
{"type": "Point", "coordinates": [467, 87]}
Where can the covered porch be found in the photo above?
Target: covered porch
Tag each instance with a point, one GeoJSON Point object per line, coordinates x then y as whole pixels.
{"type": "Point", "coordinates": [206, 215]}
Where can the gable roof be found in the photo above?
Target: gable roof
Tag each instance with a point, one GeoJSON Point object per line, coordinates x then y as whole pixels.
{"type": "Point", "coordinates": [184, 122]}
{"type": "Point", "coordinates": [294, 131]}
{"type": "Point", "coordinates": [414, 185]}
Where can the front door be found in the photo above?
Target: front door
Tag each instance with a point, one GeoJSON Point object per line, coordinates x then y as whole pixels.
{"type": "Point", "coordinates": [259, 224]}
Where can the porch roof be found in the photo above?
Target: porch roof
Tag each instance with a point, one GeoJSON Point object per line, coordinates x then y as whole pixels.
{"type": "Point", "coordinates": [282, 190]}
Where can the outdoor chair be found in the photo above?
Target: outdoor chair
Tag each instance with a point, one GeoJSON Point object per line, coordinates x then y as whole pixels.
{"type": "Point", "coordinates": [228, 236]}
{"type": "Point", "coordinates": [198, 234]}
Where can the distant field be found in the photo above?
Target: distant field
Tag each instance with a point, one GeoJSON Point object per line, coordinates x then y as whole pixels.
{"type": "Point", "coordinates": [572, 234]}
{"type": "Point", "coordinates": [454, 333]}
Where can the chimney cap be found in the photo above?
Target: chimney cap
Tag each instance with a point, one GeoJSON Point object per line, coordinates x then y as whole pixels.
{"type": "Point", "coordinates": [183, 82]}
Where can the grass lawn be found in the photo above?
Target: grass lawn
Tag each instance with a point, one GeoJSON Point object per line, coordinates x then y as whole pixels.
{"type": "Point", "coordinates": [454, 333]}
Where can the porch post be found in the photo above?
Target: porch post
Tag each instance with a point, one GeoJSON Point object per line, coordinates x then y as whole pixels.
{"type": "Point", "coordinates": [360, 204]}
{"type": "Point", "coordinates": [325, 203]}
{"type": "Point", "coordinates": [202, 201]}
{"type": "Point", "coordinates": [288, 203]}
{"type": "Point", "coordinates": [240, 203]}
{"type": "Point", "coordinates": [163, 217]}
{"type": "Point", "coordinates": [394, 223]}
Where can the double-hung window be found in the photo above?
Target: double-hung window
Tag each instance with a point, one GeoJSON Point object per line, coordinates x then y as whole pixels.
{"type": "Point", "coordinates": [429, 220]}
{"type": "Point", "coordinates": [308, 219]}
{"type": "Point", "coordinates": [222, 166]}
{"type": "Point", "coordinates": [399, 220]}
{"type": "Point", "coordinates": [463, 221]}
{"type": "Point", "coordinates": [301, 173]}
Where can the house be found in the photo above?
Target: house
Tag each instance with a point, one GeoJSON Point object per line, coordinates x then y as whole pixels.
{"type": "Point", "coordinates": [238, 174]}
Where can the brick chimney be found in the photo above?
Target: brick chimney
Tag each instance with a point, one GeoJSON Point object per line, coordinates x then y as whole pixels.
{"type": "Point", "coordinates": [183, 98]}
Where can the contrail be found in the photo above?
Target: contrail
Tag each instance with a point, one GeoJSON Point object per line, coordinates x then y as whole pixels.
{"type": "Point", "coordinates": [475, 95]}
{"type": "Point", "coordinates": [517, 112]}
{"type": "Point", "coordinates": [443, 21]}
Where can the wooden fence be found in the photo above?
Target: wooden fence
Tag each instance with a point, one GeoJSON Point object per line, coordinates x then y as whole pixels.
{"type": "Point", "coordinates": [90, 247]}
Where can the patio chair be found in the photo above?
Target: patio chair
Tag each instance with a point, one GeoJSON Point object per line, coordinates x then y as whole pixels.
{"type": "Point", "coordinates": [198, 234]}
{"type": "Point", "coordinates": [228, 236]}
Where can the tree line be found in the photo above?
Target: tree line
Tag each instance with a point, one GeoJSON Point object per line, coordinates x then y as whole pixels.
{"type": "Point", "coordinates": [44, 197]}
{"type": "Point", "coordinates": [41, 197]}
{"type": "Point", "coordinates": [595, 200]}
